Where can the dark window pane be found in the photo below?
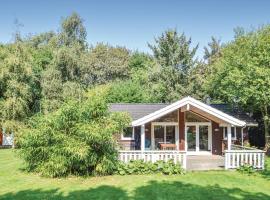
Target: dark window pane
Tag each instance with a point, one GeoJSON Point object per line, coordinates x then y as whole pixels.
{"type": "Point", "coordinates": [127, 132]}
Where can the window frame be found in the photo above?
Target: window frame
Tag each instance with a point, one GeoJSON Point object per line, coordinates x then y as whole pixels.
{"type": "Point", "coordinates": [128, 138]}
{"type": "Point", "coordinates": [226, 138]}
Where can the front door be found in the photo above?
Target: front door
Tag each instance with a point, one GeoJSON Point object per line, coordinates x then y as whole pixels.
{"type": "Point", "coordinates": [198, 137]}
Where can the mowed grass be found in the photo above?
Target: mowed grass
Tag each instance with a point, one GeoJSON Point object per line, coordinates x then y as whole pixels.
{"type": "Point", "coordinates": [212, 185]}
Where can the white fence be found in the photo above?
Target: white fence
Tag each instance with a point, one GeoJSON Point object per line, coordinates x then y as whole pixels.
{"type": "Point", "coordinates": [236, 158]}
{"type": "Point", "coordinates": [153, 156]}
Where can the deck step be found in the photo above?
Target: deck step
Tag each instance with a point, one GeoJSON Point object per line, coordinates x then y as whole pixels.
{"type": "Point", "coordinates": [205, 162]}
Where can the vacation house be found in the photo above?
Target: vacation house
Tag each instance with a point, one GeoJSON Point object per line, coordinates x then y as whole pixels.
{"type": "Point", "coordinates": [185, 128]}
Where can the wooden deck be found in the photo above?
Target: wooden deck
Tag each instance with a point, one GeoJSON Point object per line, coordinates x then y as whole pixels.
{"type": "Point", "coordinates": [205, 162]}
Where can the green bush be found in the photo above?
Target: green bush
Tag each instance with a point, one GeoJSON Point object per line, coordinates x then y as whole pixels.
{"type": "Point", "coordinates": [246, 169]}
{"type": "Point", "coordinates": [141, 167]}
{"type": "Point", "coordinates": [77, 139]}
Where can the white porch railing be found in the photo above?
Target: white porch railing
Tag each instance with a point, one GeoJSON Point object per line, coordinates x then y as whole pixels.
{"type": "Point", "coordinates": [237, 158]}
{"type": "Point", "coordinates": [153, 156]}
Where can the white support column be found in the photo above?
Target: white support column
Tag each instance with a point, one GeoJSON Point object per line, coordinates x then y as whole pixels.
{"type": "Point", "coordinates": [242, 137]}
{"type": "Point", "coordinates": [177, 137]}
{"type": "Point", "coordinates": [142, 137]}
{"type": "Point", "coordinates": [197, 139]}
{"type": "Point", "coordinates": [229, 136]}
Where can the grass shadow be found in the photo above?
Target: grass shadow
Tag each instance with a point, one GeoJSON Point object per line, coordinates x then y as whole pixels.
{"type": "Point", "coordinates": [99, 193]}
{"type": "Point", "coordinates": [154, 190]}
{"type": "Point", "coordinates": [178, 190]}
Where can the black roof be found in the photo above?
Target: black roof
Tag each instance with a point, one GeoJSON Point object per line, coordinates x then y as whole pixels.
{"type": "Point", "coordinates": [139, 110]}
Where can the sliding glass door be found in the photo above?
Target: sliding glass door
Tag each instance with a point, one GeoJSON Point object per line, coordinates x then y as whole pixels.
{"type": "Point", "coordinates": [203, 138]}
{"type": "Point", "coordinates": [197, 137]}
{"type": "Point", "coordinates": [191, 138]}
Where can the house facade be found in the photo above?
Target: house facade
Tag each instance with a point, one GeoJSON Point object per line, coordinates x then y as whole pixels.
{"type": "Point", "coordinates": [186, 125]}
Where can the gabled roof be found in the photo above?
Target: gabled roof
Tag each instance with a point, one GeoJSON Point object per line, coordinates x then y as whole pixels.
{"type": "Point", "coordinates": [144, 113]}
{"type": "Point", "coordinates": [237, 113]}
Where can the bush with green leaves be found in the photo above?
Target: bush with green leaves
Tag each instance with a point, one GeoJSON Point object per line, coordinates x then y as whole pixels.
{"type": "Point", "coordinates": [246, 169]}
{"type": "Point", "coordinates": [77, 139]}
{"type": "Point", "coordinates": [141, 167]}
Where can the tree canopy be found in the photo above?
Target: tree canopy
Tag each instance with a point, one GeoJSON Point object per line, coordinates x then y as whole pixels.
{"type": "Point", "coordinates": [242, 75]}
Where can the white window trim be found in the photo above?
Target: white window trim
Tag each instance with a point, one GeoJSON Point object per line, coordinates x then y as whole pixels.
{"type": "Point", "coordinates": [128, 138]}
{"type": "Point", "coordinates": [225, 138]}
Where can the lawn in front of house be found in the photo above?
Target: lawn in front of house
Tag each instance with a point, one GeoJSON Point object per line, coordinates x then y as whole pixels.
{"type": "Point", "coordinates": [211, 185]}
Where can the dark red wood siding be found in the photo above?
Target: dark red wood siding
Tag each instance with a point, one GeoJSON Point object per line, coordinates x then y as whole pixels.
{"type": "Point", "coordinates": [217, 137]}
{"type": "Point", "coordinates": [181, 130]}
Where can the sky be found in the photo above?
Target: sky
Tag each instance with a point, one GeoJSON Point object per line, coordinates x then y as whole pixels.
{"type": "Point", "coordinates": [134, 23]}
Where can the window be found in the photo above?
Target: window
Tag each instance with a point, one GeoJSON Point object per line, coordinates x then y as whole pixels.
{"type": "Point", "coordinates": [128, 133]}
{"type": "Point", "coordinates": [225, 133]}
{"type": "Point", "coordinates": [192, 117]}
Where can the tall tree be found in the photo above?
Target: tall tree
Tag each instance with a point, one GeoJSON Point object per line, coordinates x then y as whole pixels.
{"type": "Point", "coordinates": [52, 89]}
{"type": "Point", "coordinates": [106, 63]}
{"type": "Point", "coordinates": [242, 74]}
{"type": "Point", "coordinates": [213, 51]}
{"type": "Point", "coordinates": [175, 58]}
{"type": "Point", "coordinates": [17, 86]}
{"type": "Point", "coordinates": [174, 49]}
{"type": "Point", "coordinates": [73, 31]}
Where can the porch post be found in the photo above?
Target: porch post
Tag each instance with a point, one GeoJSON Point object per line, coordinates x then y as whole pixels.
{"type": "Point", "coordinates": [142, 137]}
{"type": "Point", "coordinates": [242, 138]}
{"type": "Point", "coordinates": [229, 136]}
{"type": "Point", "coordinates": [177, 137]}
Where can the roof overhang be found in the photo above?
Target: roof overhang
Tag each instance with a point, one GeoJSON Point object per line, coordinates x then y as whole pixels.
{"type": "Point", "coordinates": [190, 102]}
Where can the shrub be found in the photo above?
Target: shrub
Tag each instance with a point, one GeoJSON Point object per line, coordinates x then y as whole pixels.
{"type": "Point", "coordinates": [141, 167]}
{"type": "Point", "coordinates": [246, 169]}
{"type": "Point", "coordinates": [77, 139]}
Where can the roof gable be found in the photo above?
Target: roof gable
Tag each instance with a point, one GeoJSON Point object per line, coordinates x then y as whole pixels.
{"type": "Point", "coordinates": [193, 102]}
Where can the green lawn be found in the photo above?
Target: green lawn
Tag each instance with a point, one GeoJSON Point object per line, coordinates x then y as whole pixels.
{"type": "Point", "coordinates": [212, 185]}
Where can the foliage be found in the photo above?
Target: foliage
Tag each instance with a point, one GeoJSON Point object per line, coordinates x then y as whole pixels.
{"type": "Point", "coordinates": [41, 72]}
{"type": "Point", "coordinates": [17, 84]}
{"type": "Point", "coordinates": [175, 58]}
{"type": "Point", "coordinates": [141, 167]}
{"type": "Point", "coordinates": [241, 75]}
{"type": "Point", "coordinates": [213, 51]}
{"type": "Point", "coordinates": [172, 49]}
{"type": "Point", "coordinates": [76, 139]}
{"type": "Point", "coordinates": [127, 92]}
{"type": "Point", "coordinates": [73, 31]}
{"type": "Point", "coordinates": [246, 169]}
{"type": "Point", "coordinates": [105, 63]}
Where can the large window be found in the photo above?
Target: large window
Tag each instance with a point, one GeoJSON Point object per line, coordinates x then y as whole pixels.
{"type": "Point", "coordinates": [164, 134]}
{"type": "Point", "coordinates": [225, 133]}
{"type": "Point", "coordinates": [128, 134]}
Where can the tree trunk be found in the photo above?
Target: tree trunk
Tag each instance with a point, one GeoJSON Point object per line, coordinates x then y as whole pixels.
{"type": "Point", "coordinates": [266, 126]}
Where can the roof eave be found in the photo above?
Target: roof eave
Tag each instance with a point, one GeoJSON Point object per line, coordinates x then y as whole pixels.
{"type": "Point", "coordinates": [189, 100]}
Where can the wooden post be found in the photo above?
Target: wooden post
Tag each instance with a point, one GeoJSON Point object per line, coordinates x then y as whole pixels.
{"type": "Point", "coordinates": [229, 137]}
